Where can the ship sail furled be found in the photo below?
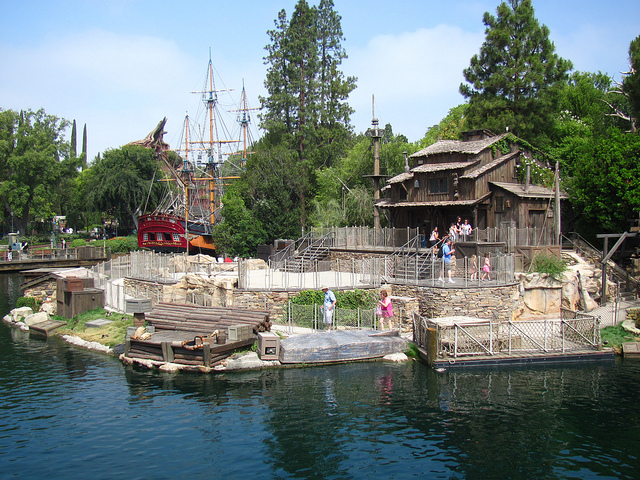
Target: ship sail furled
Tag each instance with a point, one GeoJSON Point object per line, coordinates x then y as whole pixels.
{"type": "Point", "coordinates": [192, 206]}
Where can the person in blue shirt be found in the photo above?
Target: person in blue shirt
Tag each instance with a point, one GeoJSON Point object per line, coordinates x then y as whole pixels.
{"type": "Point", "coordinates": [447, 253]}
{"type": "Point", "coordinates": [328, 307]}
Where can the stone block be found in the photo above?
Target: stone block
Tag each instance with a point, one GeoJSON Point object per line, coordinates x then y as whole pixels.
{"type": "Point", "coordinates": [97, 323]}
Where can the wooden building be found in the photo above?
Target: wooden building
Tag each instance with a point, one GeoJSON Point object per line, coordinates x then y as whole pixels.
{"type": "Point", "coordinates": [475, 178]}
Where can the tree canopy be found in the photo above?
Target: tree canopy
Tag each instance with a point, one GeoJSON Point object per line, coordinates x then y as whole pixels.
{"type": "Point", "coordinates": [34, 159]}
{"type": "Point", "coordinates": [513, 81]}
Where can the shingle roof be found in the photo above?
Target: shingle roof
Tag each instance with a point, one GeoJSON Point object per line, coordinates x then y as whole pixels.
{"type": "Point", "coordinates": [458, 146]}
{"type": "Point", "coordinates": [438, 167]}
{"type": "Point", "coordinates": [401, 177]}
{"type": "Point", "coordinates": [488, 166]}
{"type": "Point", "coordinates": [534, 191]}
{"type": "Point", "coordinates": [386, 203]}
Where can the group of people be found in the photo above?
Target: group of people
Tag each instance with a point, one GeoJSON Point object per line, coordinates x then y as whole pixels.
{"type": "Point", "coordinates": [384, 308]}
{"type": "Point", "coordinates": [458, 230]}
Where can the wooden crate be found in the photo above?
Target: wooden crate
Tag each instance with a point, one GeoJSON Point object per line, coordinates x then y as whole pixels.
{"type": "Point", "coordinates": [268, 346]}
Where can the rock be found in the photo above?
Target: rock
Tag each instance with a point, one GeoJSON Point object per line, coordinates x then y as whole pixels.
{"type": "Point", "coordinates": [48, 307]}
{"type": "Point", "coordinates": [19, 313]}
{"type": "Point", "coordinates": [395, 357]}
{"type": "Point", "coordinates": [169, 367]}
{"type": "Point", "coordinates": [36, 318]}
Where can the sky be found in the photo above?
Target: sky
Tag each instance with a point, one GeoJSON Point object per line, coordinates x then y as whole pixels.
{"type": "Point", "coordinates": [120, 66]}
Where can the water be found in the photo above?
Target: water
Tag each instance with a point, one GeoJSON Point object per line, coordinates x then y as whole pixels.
{"type": "Point", "coordinates": [70, 413]}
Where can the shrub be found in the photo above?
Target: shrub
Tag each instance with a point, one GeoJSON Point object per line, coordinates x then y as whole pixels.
{"type": "Point", "coordinates": [28, 302]}
{"type": "Point", "coordinates": [78, 242]}
{"type": "Point", "coordinates": [548, 264]}
{"type": "Point", "coordinates": [350, 299]}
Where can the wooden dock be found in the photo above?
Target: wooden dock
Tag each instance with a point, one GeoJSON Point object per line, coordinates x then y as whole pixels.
{"type": "Point", "coordinates": [45, 328]}
{"type": "Point", "coordinates": [607, 355]}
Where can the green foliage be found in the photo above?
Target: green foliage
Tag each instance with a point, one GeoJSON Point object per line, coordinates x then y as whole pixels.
{"type": "Point", "coordinates": [412, 350]}
{"type": "Point", "coordinates": [239, 233]}
{"type": "Point", "coordinates": [616, 336]}
{"type": "Point", "coordinates": [34, 165]}
{"type": "Point", "coordinates": [78, 242]}
{"type": "Point", "coordinates": [120, 244]}
{"type": "Point", "coordinates": [606, 187]}
{"type": "Point", "coordinates": [514, 81]}
{"type": "Point", "coordinates": [305, 111]}
{"type": "Point", "coordinates": [121, 183]}
{"type": "Point", "coordinates": [30, 302]}
{"type": "Point", "coordinates": [549, 264]}
{"type": "Point", "coordinates": [349, 299]}
{"type": "Point", "coordinates": [631, 84]}
{"type": "Point", "coordinates": [449, 128]}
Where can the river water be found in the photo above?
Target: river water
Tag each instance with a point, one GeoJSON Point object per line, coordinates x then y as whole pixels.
{"type": "Point", "coordinates": [70, 413]}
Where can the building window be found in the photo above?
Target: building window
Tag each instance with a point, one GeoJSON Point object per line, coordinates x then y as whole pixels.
{"type": "Point", "coordinates": [438, 185]}
{"type": "Point", "coordinates": [499, 204]}
{"type": "Point", "coordinates": [416, 184]}
{"type": "Point", "coordinates": [145, 237]}
{"type": "Point", "coordinates": [176, 237]}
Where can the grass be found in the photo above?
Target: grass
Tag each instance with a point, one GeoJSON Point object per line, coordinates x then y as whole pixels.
{"type": "Point", "coordinates": [109, 335]}
{"type": "Point", "coordinates": [412, 351]}
{"type": "Point", "coordinates": [616, 336]}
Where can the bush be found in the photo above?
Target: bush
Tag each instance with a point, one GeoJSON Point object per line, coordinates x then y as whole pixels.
{"type": "Point", "coordinates": [28, 302]}
{"type": "Point", "coordinates": [78, 242]}
{"type": "Point", "coordinates": [548, 264]}
{"type": "Point", "coordinates": [347, 299]}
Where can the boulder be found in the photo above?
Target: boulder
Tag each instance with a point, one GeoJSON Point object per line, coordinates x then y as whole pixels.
{"type": "Point", "coordinates": [36, 318]}
{"type": "Point", "coordinates": [19, 314]}
{"type": "Point", "coordinates": [48, 307]}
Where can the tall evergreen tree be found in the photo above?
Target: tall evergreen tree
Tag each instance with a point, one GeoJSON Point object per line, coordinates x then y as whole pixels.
{"type": "Point", "coordinates": [305, 109]}
{"type": "Point", "coordinates": [74, 141]}
{"type": "Point", "coordinates": [513, 82]}
{"type": "Point", "coordinates": [83, 156]}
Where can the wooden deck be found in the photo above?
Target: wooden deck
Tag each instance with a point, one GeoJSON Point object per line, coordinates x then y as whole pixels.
{"type": "Point", "coordinates": [606, 355]}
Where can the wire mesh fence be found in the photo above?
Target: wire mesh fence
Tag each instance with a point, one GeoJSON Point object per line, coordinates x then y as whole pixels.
{"type": "Point", "coordinates": [311, 317]}
{"type": "Point", "coordinates": [486, 337]}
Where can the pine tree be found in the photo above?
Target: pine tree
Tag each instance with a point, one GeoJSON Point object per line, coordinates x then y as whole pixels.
{"type": "Point", "coordinates": [74, 141]}
{"type": "Point", "coordinates": [305, 109]}
{"type": "Point", "coordinates": [83, 157]}
{"type": "Point", "coordinates": [513, 82]}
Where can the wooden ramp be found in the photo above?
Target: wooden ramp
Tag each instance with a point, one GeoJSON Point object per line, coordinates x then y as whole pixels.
{"type": "Point", "coordinates": [45, 328]}
{"type": "Point", "coordinates": [339, 346]}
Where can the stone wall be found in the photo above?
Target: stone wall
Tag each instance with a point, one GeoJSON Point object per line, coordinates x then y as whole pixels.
{"type": "Point", "coordinates": [500, 303]}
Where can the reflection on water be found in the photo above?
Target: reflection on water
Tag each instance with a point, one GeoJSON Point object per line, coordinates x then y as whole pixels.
{"type": "Point", "coordinates": [83, 413]}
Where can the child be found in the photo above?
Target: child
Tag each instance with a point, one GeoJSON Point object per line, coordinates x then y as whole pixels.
{"type": "Point", "coordinates": [473, 268]}
{"type": "Point", "coordinates": [486, 268]}
{"type": "Point", "coordinates": [386, 310]}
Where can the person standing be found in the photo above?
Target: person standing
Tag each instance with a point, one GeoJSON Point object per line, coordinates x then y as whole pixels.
{"type": "Point", "coordinates": [486, 268]}
{"type": "Point", "coordinates": [447, 253]}
{"type": "Point", "coordinates": [386, 309]}
{"type": "Point", "coordinates": [435, 237]}
{"type": "Point", "coordinates": [328, 307]}
{"type": "Point", "coordinates": [466, 229]}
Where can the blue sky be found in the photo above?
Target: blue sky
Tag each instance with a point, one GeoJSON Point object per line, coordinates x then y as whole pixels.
{"type": "Point", "coordinates": [120, 66]}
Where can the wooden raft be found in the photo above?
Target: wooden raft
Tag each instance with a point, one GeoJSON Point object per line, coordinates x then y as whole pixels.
{"type": "Point", "coordinates": [177, 327]}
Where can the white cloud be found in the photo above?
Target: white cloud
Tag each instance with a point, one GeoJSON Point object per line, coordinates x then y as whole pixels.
{"type": "Point", "coordinates": [414, 76]}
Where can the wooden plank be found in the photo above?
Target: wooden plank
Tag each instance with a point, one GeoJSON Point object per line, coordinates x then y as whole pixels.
{"type": "Point", "coordinates": [46, 327]}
